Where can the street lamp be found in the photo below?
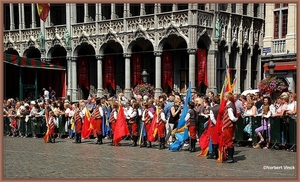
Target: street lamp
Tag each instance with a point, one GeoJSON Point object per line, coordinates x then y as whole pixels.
{"type": "Point", "coordinates": [144, 76]}
{"type": "Point", "coordinates": [271, 67]}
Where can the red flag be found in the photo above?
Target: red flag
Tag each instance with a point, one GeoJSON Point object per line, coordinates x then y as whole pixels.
{"type": "Point", "coordinates": [204, 142]}
{"type": "Point", "coordinates": [86, 128]}
{"type": "Point", "coordinates": [153, 129]}
{"type": "Point", "coordinates": [121, 127]}
{"type": "Point", "coordinates": [43, 10]}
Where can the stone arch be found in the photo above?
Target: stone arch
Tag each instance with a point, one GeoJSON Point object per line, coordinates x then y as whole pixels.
{"type": "Point", "coordinates": [170, 31]}
{"type": "Point", "coordinates": [204, 41]}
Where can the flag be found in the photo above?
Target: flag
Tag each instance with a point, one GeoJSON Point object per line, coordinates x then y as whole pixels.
{"type": "Point", "coordinates": [43, 10]}
{"type": "Point", "coordinates": [204, 142]}
{"type": "Point", "coordinates": [153, 128]}
{"type": "Point", "coordinates": [46, 137]}
{"type": "Point", "coordinates": [87, 127]}
{"type": "Point", "coordinates": [227, 87]}
{"type": "Point", "coordinates": [142, 133]}
{"type": "Point", "coordinates": [181, 132]}
{"type": "Point", "coordinates": [121, 127]}
{"type": "Point", "coordinates": [104, 124]}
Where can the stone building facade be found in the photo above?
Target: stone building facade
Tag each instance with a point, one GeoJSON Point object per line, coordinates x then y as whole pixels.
{"type": "Point", "coordinates": [280, 42]}
{"type": "Point", "coordinates": [105, 47]}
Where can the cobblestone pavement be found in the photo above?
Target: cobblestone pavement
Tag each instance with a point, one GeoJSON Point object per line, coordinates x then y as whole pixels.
{"type": "Point", "coordinates": [27, 158]}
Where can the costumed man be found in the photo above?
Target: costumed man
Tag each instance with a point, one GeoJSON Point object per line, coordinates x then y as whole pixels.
{"type": "Point", "coordinates": [133, 120]}
{"type": "Point", "coordinates": [97, 116]}
{"type": "Point", "coordinates": [190, 119]}
{"type": "Point", "coordinates": [214, 110]}
{"type": "Point", "coordinates": [52, 127]}
{"type": "Point", "coordinates": [147, 118]}
{"type": "Point", "coordinates": [78, 122]}
{"type": "Point", "coordinates": [161, 122]}
{"type": "Point", "coordinates": [113, 118]}
{"type": "Point", "coordinates": [228, 121]}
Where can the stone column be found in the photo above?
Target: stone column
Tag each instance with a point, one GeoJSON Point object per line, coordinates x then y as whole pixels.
{"type": "Point", "coordinates": [142, 11]}
{"type": "Point", "coordinates": [249, 72]}
{"type": "Point", "coordinates": [33, 9]}
{"type": "Point", "coordinates": [20, 16]}
{"type": "Point", "coordinates": [99, 76]}
{"type": "Point", "coordinates": [100, 12]}
{"type": "Point", "coordinates": [211, 69]}
{"type": "Point", "coordinates": [127, 75]}
{"type": "Point", "coordinates": [113, 11]}
{"type": "Point", "coordinates": [23, 16]}
{"type": "Point", "coordinates": [192, 68]}
{"type": "Point", "coordinates": [74, 86]}
{"type": "Point", "coordinates": [86, 13]}
{"type": "Point", "coordinates": [174, 7]}
{"type": "Point", "coordinates": [12, 21]}
{"type": "Point", "coordinates": [69, 71]}
{"type": "Point", "coordinates": [237, 88]}
{"type": "Point", "coordinates": [158, 88]}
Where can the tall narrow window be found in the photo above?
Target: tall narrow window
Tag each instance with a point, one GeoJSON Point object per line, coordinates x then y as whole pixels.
{"type": "Point", "coordinates": [245, 9]}
{"type": "Point", "coordinates": [149, 8]}
{"type": "Point", "coordinates": [201, 6]}
{"type": "Point", "coordinates": [233, 8]}
{"type": "Point", "coordinates": [135, 9]}
{"type": "Point", "coordinates": [280, 20]}
{"type": "Point", "coordinates": [256, 10]}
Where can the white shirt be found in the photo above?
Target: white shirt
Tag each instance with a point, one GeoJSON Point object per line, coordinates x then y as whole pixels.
{"type": "Point", "coordinates": [162, 116]}
{"type": "Point", "coordinates": [230, 113]}
{"type": "Point", "coordinates": [46, 94]}
{"type": "Point", "coordinates": [150, 114]}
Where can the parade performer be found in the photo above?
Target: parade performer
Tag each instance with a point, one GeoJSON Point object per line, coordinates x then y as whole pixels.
{"type": "Point", "coordinates": [113, 118]}
{"type": "Point", "coordinates": [78, 123]}
{"type": "Point", "coordinates": [147, 118]}
{"type": "Point", "coordinates": [190, 119]}
{"type": "Point", "coordinates": [214, 110]}
{"type": "Point", "coordinates": [133, 120]}
{"type": "Point", "coordinates": [161, 121]}
{"type": "Point", "coordinates": [96, 121]}
{"type": "Point", "coordinates": [51, 127]}
{"type": "Point", "coordinates": [228, 119]}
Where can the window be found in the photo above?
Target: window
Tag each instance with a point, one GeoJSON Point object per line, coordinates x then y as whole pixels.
{"type": "Point", "coordinates": [135, 9]}
{"type": "Point", "coordinates": [182, 6]}
{"type": "Point", "coordinates": [256, 10]}
{"type": "Point", "coordinates": [166, 7]}
{"type": "Point", "coordinates": [79, 11]}
{"type": "Point", "coordinates": [223, 7]}
{"type": "Point", "coordinates": [119, 10]}
{"type": "Point", "coordinates": [106, 11]}
{"type": "Point", "coordinates": [233, 8]}
{"type": "Point", "coordinates": [6, 17]}
{"type": "Point", "coordinates": [245, 9]}
{"type": "Point", "coordinates": [149, 8]}
{"type": "Point", "coordinates": [201, 6]}
{"type": "Point", "coordinates": [280, 20]}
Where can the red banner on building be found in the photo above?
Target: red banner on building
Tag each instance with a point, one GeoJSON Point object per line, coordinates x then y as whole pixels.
{"type": "Point", "coordinates": [167, 69]}
{"type": "Point", "coordinates": [202, 67]}
{"type": "Point", "coordinates": [137, 69]}
{"type": "Point", "coordinates": [83, 73]}
{"type": "Point", "coordinates": [109, 72]}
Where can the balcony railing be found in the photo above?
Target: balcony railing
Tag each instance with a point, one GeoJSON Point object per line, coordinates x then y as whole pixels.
{"type": "Point", "coordinates": [279, 46]}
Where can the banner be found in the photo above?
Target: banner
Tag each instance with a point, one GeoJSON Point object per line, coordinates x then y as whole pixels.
{"type": "Point", "coordinates": [137, 69]}
{"type": "Point", "coordinates": [109, 72]}
{"type": "Point", "coordinates": [83, 77]}
{"type": "Point", "coordinates": [167, 69]}
{"type": "Point", "coordinates": [202, 67]}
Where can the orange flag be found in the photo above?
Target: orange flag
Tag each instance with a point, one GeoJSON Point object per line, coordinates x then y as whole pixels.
{"type": "Point", "coordinates": [43, 10]}
{"type": "Point", "coordinates": [46, 137]}
{"type": "Point", "coordinates": [121, 127]}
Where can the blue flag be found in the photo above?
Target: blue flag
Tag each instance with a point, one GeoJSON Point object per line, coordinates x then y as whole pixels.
{"type": "Point", "coordinates": [181, 137]}
{"type": "Point", "coordinates": [188, 98]}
